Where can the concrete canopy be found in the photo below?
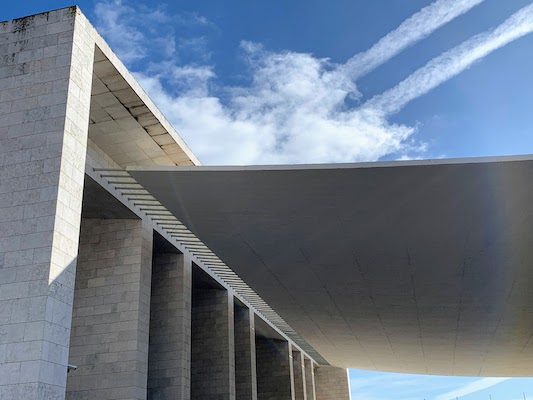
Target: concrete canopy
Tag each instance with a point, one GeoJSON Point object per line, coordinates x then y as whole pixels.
{"type": "Point", "coordinates": [421, 267]}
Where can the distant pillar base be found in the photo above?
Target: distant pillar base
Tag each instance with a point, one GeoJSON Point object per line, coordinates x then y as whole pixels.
{"type": "Point", "coordinates": [332, 383]}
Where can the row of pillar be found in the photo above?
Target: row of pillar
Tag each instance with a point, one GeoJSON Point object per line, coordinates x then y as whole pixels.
{"type": "Point", "coordinates": [152, 325]}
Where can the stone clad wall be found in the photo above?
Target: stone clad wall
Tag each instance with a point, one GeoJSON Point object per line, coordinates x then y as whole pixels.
{"type": "Point", "coordinates": [109, 342]}
{"type": "Point", "coordinates": [46, 65]}
{"type": "Point", "coordinates": [169, 375]}
{"type": "Point", "coordinates": [332, 383]}
{"type": "Point", "coordinates": [274, 380]}
{"type": "Point", "coordinates": [212, 352]}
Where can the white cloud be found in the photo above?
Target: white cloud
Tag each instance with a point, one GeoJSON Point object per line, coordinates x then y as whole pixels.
{"type": "Point", "coordinates": [137, 31]}
{"type": "Point", "coordinates": [470, 388]}
{"type": "Point", "coordinates": [415, 28]}
{"type": "Point", "coordinates": [291, 112]}
{"type": "Point", "coordinates": [121, 25]}
{"type": "Point", "coordinates": [453, 62]}
{"type": "Point", "coordinates": [294, 109]}
{"type": "Point", "coordinates": [116, 27]}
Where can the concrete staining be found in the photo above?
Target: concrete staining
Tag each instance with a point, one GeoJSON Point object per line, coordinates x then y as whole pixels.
{"type": "Point", "coordinates": [420, 267]}
{"type": "Point", "coordinates": [134, 300]}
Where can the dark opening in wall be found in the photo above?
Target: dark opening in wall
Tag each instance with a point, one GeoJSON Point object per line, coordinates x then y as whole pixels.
{"type": "Point", "coordinates": [245, 378]}
{"type": "Point", "coordinates": [273, 363]}
{"type": "Point", "coordinates": [170, 323]}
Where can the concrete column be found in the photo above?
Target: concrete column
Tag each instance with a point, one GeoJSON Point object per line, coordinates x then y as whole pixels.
{"type": "Point", "coordinates": [274, 369]}
{"type": "Point", "coordinates": [245, 363]}
{"type": "Point", "coordinates": [169, 361]}
{"type": "Point", "coordinates": [332, 383]}
{"type": "Point", "coordinates": [212, 350]}
{"type": "Point", "coordinates": [298, 375]}
{"type": "Point", "coordinates": [109, 341]}
{"type": "Point", "coordinates": [291, 370]}
{"type": "Point", "coordinates": [309, 379]}
{"type": "Point", "coordinates": [46, 65]}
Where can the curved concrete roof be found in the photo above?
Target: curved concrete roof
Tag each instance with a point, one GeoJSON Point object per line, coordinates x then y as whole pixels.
{"type": "Point", "coordinates": [422, 267]}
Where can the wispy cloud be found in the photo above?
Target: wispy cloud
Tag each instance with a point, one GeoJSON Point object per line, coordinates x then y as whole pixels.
{"type": "Point", "coordinates": [412, 30]}
{"type": "Point", "coordinates": [118, 22]}
{"type": "Point", "coordinates": [453, 62]}
{"type": "Point", "coordinates": [470, 388]}
{"type": "Point", "coordinates": [137, 32]}
{"type": "Point", "coordinates": [294, 109]}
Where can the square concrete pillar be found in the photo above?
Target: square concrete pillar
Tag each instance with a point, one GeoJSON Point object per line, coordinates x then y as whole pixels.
{"type": "Point", "coordinates": [332, 383]}
{"type": "Point", "coordinates": [274, 369]}
{"type": "Point", "coordinates": [299, 375]}
{"type": "Point", "coordinates": [212, 341]}
{"type": "Point", "coordinates": [309, 379]}
{"type": "Point", "coordinates": [46, 64]}
{"type": "Point", "coordinates": [169, 361]}
{"type": "Point", "coordinates": [111, 316]}
{"type": "Point", "coordinates": [245, 363]}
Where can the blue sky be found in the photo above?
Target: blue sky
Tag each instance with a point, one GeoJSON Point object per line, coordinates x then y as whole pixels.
{"type": "Point", "coordinates": [274, 83]}
{"type": "Point", "coordinates": [339, 81]}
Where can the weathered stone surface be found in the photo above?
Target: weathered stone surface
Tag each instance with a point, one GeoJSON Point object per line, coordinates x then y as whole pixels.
{"type": "Point", "coordinates": [46, 64]}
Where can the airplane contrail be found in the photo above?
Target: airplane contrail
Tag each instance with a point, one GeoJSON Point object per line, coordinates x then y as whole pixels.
{"type": "Point", "coordinates": [412, 30]}
{"type": "Point", "coordinates": [451, 63]}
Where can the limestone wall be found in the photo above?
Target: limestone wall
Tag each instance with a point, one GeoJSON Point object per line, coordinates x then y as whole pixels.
{"type": "Point", "coordinates": [46, 65]}
{"type": "Point", "coordinates": [110, 324]}
{"type": "Point", "coordinates": [169, 375]}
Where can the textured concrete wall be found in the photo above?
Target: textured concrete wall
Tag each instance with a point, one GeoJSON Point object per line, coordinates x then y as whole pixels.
{"type": "Point", "coordinates": [274, 378]}
{"type": "Point", "coordinates": [109, 341]}
{"type": "Point", "coordinates": [299, 376]}
{"type": "Point", "coordinates": [46, 66]}
{"type": "Point", "coordinates": [169, 358]}
{"type": "Point", "coordinates": [332, 383]}
{"type": "Point", "coordinates": [212, 350]}
{"type": "Point", "coordinates": [309, 379]}
{"type": "Point", "coordinates": [245, 363]}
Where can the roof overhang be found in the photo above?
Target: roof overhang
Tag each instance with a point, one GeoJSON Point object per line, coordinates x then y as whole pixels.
{"type": "Point", "coordinates": [124, 121]}
{"type": "Point", "coordinates": [420, 266]}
